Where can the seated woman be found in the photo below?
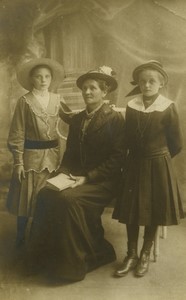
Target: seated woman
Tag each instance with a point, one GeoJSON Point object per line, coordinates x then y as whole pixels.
{"type": "Point", "coordinates": [67, 237]}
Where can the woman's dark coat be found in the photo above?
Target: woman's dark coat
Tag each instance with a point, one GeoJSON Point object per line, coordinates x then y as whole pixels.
{"type": "Point", "coordinates": [67, 236]}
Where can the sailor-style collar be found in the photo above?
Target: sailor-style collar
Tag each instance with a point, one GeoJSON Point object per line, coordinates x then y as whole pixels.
{"type": "Point", "coordinates": [160, 104]}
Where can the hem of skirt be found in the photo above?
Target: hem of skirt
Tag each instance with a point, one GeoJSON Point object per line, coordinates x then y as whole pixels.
{"type": "Point", "coordinates": [149, 224]}
{"type": "Point", "coordinates": [70, 279]}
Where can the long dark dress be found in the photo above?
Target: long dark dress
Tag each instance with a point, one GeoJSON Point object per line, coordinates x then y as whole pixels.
{"type": "Point", "coordinates": [67, 237]}
{"type": "Point", "coordinates": [150, 192]}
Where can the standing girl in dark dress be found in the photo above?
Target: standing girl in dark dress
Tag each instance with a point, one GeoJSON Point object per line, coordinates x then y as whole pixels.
{"type": "Point", "coordinates": [150, 194]}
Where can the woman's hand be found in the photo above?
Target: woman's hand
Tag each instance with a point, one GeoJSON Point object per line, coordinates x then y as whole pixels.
{"type": "Point", "coordinates": [19, 173]}
{"type": "Point", "coordinates": [79, 180]}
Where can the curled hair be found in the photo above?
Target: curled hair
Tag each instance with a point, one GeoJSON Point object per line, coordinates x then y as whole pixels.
{"type": "Point", "coordinates": [38, 67]}
{"type": "Point", "coordinates": [103, 85]}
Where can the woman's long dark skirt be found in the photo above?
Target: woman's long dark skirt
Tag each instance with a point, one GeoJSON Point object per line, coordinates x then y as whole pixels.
{"type": "Point", "coordinates": [67, 237]}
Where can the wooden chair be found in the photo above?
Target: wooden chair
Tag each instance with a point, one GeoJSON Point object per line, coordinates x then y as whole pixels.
{"type": "Point", "coordinates": [160, 233]}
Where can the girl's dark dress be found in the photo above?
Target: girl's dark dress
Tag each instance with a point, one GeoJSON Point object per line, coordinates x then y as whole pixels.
{"type": "Point", "coordinates": [150, 192]}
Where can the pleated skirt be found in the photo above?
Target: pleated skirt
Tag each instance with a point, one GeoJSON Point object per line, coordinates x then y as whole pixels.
{"type": "Point", "coordinates": [150, 193]}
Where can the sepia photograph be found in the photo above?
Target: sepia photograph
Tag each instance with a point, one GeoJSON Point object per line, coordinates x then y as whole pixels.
{"type": "Point", "coordinates": [92, 149]}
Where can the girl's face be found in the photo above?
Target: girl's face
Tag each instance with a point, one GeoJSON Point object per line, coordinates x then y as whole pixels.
{"type": "Point", "coordinates": [150, 82]}
{"type": "Point", "coordinates": [92, 94]}
{"type": "Point", "coordinates": [41, 78]}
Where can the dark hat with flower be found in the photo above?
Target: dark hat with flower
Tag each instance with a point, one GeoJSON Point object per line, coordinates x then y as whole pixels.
{"type": "Point", "coordinates": [149, 65]}
{"type": "Point", "coordinates": [24, 71]}
{"type": "Point", "coordinates": [103, 73]}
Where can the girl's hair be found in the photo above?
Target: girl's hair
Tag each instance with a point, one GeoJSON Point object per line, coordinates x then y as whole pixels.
{"type": "Point", "coordinates": [38, 67]}
{"type": "Point", "coordinates": [161, 78]}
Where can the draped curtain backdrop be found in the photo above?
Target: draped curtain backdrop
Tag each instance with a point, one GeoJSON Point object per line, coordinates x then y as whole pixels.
{"type": "Point", "coordinates": [128, 33]}
{"type": "Point", "coordinates": [135, 31]}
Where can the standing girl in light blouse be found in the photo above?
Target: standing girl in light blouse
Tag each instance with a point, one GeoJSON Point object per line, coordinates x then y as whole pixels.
{"type": "Point", "coordinates": [34, 138]}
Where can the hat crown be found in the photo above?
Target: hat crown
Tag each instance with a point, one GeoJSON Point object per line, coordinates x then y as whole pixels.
{"type": "Point", "coordinates": [151, 64]}
{"type": "Point", "coordinates": [104, 70]}
{"type": "Point", "coordinates": [104, 73]}
{"type": "Point", "coordinates": [155, 62]}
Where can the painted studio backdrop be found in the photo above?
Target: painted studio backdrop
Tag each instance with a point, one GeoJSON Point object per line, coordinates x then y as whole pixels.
{"type": "Point", "coordinates": [83, 34]}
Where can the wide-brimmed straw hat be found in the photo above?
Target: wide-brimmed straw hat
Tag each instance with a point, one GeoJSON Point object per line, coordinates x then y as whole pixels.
{"type": "Point", "coordinates": [152, 65]}
{"type": "Point", "coordinates": [23, 72]}
{"type": "Point", "coordinates": [103, 73]}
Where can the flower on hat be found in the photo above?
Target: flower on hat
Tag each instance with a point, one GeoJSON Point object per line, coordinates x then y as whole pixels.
{"type": "Point", "coordinates": [104, 73]}
{"type": "Point", "coordinates": [106, 70]}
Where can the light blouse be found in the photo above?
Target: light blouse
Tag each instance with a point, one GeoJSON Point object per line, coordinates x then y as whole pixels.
{"type": "Point", "coordinates": [35, 122]}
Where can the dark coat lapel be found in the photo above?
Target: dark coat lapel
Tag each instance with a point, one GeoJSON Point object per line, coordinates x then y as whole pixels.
{"type": "Point", "coordinates": [99, 119]}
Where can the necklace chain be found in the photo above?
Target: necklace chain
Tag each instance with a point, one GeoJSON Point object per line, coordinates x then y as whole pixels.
{"type": "Point", "coordinates": [141, 130]}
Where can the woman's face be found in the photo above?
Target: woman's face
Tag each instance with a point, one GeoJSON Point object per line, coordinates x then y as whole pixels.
{"type": "Point", "coordinates": [150, 82]}
{"type": "Point", "coordinates": [92, 94]}
{"type": "Point", "coordinates": [41, 78]}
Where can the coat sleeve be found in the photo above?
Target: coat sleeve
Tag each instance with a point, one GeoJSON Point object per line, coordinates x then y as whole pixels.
{"type": "Point", "coordinates": [69, 157]}
{"type": "Point", "coordinates": [112, 166]}
{"type": "Point", "coordinates": [16, 136]}
{"type": "Point", "coordinates": [173, 132]}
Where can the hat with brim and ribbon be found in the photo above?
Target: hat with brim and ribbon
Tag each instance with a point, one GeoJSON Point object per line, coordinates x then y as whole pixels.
{"type": "Point", "coordinates": [102, 73]}
{"type": "Point", "coordinates": [24, 71]}
{"type": "Point", "coordinates": [150, 65]}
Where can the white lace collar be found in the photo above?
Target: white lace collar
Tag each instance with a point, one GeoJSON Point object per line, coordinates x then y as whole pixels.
{"type": "Point", "coordinates": [160, 104]}
{"type": "Point", "coordinates": [42, 96]}
{"type": "Point", "coordinates": [39, 93]}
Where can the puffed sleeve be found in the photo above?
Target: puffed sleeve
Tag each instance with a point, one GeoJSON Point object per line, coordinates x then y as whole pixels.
{"type": "Point", "coordinates": [173, 131]}
{"type": "Point", "coordinates": [16, 136]}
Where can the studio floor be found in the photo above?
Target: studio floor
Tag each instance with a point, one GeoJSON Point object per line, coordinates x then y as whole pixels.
{"type": "Point", "coordinates": [166, 279]}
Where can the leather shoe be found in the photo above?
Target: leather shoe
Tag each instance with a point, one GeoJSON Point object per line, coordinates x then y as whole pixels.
{"type": "Point", "coordinates": [129, 263]}
{"type": "Point", "coordinates": [143, 264]}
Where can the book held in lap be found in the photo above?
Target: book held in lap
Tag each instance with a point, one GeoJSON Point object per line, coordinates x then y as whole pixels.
{"type": "Point", "coordinates": [60, 182]}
